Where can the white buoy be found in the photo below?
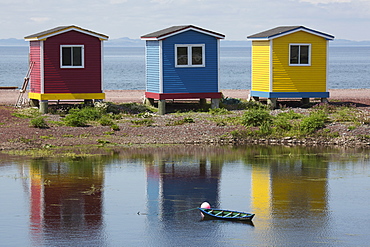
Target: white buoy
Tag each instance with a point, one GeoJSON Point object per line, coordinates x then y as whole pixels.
{"type": "Point", "coordinates": [205, 205]}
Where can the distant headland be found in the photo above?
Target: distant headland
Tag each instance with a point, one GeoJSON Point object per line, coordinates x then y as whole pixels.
{"type": "Point", "coordinates": [127, 42]}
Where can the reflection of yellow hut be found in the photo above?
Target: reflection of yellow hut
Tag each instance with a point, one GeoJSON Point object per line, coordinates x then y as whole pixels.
{"type": "Point", "coordinates": [289, 62]}
{"type": "Point", "coordinates": [261, 194]}
{"type": "Point", "coordinates": [281, 189]}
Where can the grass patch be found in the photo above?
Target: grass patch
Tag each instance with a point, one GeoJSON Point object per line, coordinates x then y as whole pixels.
{"type": "Point", "coordinates": [180, 121]}
{"type": "Point", "coordinates": [143, 122]}
{"type": "Point", "coordinates": [38, 122]}
{"type": "Point", "coordinates": [219, 111]}
{"type": "Point", "coordinates": [27, 113]}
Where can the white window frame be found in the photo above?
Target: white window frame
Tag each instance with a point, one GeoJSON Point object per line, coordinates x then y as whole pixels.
{"type": "Point", "coordinates": [72, 66]}
{"type": "Point", "coordinates": [190, 55]}
{"type": "Point", "coordinates": [309, 54]}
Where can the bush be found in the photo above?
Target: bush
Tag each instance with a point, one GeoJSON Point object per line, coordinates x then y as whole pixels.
{"type": "Point", "coordinates": [115, 127]}
{"type": "Point", "coordinates": [218, 111]}
{"type": "Point", "coordinates": [38, 122]}
{"type": "Point", "coordinates": [80, 117]}
{"type": "Point", "coordinates": [106, 121]}
{"type": "Point", "coordinates": [316, 120]}
{"type": "Point", "coordinates": [146, 122]}
{"type": "Point", "coordinates": [256, 117]}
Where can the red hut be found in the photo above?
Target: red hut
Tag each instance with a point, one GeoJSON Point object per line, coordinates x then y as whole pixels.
{"type": "Point", "coordinates": [67, 64]}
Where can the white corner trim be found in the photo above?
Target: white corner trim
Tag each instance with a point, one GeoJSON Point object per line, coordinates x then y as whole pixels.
{"type": "Point", "coordinates": [160, 67]}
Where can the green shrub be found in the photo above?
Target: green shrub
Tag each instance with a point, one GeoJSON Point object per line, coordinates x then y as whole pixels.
{"type": "Point", "coordinates": [115, 127]}
{"type": "Point", "coordinates": [145, 121]}
{"type": "Point", "coordinates": [345, 114]}
{"type": "Point", "coordinates": [106, 121]}
{"type": "Point", "coordinates": [218, 111]}
{"type": "Point", "coordinates": [282, 124]}
{"type": "Point", "coordinates": [316, 120]}
{"type": "Point", "coordinates": [265, 129]}
{"type": "Point", "coordinates": [75, 120]}
{"type": "Point", "coordinates": [256, 117]}
{"type": "Point", "coordinates": [181, 121]}
{"type": "Point", "coordinates": [80, 117]}
{"type": "Point", "coordinates": [38, 122]}
{"type": "Point", "coordinates": [289, 115]}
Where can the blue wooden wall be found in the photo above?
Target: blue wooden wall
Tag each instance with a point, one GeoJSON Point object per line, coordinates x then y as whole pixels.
{"type": "Point", "coordinates": [153, 66]}
{"type": "Point", "coordinates": [182, 80]}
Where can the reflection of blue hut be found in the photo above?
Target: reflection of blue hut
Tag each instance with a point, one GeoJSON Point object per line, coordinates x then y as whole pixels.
{"type": "Point", "coordinates": [182, 62]}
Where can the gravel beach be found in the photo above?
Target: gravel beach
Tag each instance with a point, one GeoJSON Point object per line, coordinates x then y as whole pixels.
{"type": "Point", "coordinates": [16, 133]}
{"type": "Point", "coordinates": [362, 96]}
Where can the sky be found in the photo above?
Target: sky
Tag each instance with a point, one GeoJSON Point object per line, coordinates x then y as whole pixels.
{"type": "Point", "coordinates": [237, 19]}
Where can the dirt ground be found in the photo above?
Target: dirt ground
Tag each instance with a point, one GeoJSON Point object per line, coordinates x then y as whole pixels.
{"type": "Point", "coordinates": [15, 132]}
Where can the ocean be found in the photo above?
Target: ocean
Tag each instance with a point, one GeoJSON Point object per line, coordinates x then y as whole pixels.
{"type": "Point", "coordinates": [124, 67]}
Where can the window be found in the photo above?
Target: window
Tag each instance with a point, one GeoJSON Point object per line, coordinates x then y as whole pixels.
{"type": "Point", "coordinates": [189, 55]}
{"type": "Point", "coordinates": [72, 56]}
{"type": "Point", "coordinates": [300, 54]}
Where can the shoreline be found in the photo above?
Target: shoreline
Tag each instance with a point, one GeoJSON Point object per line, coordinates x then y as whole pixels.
{"type": "Point", "coordinates": [361, 96]}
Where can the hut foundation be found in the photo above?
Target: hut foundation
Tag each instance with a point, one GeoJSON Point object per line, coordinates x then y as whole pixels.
{"type": "Point", "coordinates": [215, 103]}
{"type": "Point", "coordinates": [272, 102]}
{"type": "Point", "coordinates": [161, 107]}
{"type": "Point", "coordinates": [44, 106]}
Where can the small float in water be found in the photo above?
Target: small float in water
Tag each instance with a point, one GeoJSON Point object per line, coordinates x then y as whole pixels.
{"type": "Point", "coordinates": [221, 214]}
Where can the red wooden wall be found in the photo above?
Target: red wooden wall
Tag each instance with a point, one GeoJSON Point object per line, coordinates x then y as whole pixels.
{"type": "Point", "coordinates": [35, 77]}
{"type": "Point", "coordinates": [72, 80]}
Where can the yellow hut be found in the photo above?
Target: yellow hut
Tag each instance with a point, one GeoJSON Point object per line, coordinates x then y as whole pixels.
{"type": "Point", "coordinates": [289, 62]}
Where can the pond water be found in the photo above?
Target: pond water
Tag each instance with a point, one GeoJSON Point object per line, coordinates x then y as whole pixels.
{"type": "Point", "coordinates": [148, 197]}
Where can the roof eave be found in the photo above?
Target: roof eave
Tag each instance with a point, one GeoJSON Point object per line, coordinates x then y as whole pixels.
{"type": "Point", "coordinates": [64, 30]}
{"type": "Point", "coordinates": [189, 28]}
{"type": "Point", "coordinates": [320, 34]}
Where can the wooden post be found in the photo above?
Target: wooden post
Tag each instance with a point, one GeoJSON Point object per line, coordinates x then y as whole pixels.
{"type": "Point", "coordinates": [44, 106]}
{"type": "Point", "coordinates": [272, 102]}
{"type": "Point", "coordinates": [215, 103]}
{"type": "Point", "coordinates": [161, 107]}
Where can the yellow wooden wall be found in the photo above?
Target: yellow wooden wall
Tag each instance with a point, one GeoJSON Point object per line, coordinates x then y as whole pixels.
{"type": "Point", "coordinates": [261, 66]}
{"type": "Point", "coordinates": [299, 78]}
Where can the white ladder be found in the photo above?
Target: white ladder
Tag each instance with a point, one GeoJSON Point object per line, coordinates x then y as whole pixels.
{"type": "Point", "coordinates": [21, 99]}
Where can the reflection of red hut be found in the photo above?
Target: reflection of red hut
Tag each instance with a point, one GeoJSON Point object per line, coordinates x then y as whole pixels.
{"type": "Point", "coordinates": [67, 64]}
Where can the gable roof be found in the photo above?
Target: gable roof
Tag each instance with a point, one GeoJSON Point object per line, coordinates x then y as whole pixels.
{"type": "Point", "coordinates": [174, 30]}
{"type": "Point", "coordinates": [62, 29]}
{"type": "Point", "coordinates": [285, 30]}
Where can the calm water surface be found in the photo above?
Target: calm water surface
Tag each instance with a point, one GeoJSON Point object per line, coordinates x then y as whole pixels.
{"type": "Point", "coordinates": [124, 67]}
{"type": "Point", "coordinates": [301, 197]}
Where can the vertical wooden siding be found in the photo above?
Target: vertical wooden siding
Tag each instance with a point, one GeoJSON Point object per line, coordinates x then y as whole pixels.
{"type": "Point", "coordinates": [152, 66]}
{"type": "Point", "coordinates": [74, 80]}
{"type": "Point", "coordinates": [261, 66]}
{"type": "Point", "coordinates": [190, 80]}
{"type": "Point", "coordinates": [299, 78]}
{"type": "Point", "coordinates": [35, 77]}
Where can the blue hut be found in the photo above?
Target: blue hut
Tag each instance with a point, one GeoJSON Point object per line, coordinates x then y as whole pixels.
{"type": "Point", "coordinates": [182, 62]}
